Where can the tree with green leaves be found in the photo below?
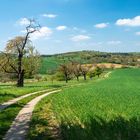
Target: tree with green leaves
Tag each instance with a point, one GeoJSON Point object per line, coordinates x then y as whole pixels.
{"type": "Point", "coordinates": [98, 71]}
{"type": "Point", "coordinates": [91, 73]}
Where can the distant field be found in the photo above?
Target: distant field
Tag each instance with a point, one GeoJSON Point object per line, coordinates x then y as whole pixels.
{"type": "Point", "coordinates": [50, 63]}
{"type": "Point", "coordinates": [105, 65]}
{"type": "Point", "coordinates": [103, 110]}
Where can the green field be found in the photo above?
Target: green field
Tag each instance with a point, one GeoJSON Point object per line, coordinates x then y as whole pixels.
{"type": "Point", "coordinates": [107, 109]}
{"type": "Point", "coordinates": [10, 91]}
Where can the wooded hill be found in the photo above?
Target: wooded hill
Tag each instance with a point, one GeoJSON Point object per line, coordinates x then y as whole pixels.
{"type": "Point", "coordinates": [51, 62]}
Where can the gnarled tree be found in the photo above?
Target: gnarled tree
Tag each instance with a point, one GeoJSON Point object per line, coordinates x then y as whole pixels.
{"type": "Point", "coordinates": [76, 69]}
{"type": "Point", "coordinates": [65, 69]}
{"type": "Point", "coordinates": [16, 50]}
{"type": "Point", "coordinates": [84, 70]}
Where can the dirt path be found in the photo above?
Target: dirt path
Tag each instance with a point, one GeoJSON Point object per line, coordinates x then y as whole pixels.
{"type": "Point", "coordinates": [20, 126]}
{"type": "Point", "coordinates": [13, 101]}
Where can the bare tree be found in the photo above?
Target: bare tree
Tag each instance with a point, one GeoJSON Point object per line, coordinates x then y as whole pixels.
{"type": "Point", "coordinates": [76, 70]}
{"type": "Point", "coordinates": [17, 48]}
{"type": "Point", "coordinates": [65, 69]}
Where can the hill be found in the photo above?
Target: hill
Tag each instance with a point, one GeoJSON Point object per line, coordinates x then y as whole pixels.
{"type": "Point", "coordinates": [51, 62]}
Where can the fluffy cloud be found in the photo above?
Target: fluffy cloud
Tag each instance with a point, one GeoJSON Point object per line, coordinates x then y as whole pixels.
{"type": "Point", "coordinates": [129, 22]}
{"type": "Point", "coordinates": [61, 28]}
{"type": "Point", "coordinates": [24, 21]}
{"type": "Point", "coordinates": [80, 38]}
{"type": "Point", "coordinates": [114, 42]}
{"type": "Point", "coordinates": [43, 32]}
{"type": "Point", "coordinates": [49, 15]}
{"type": "Point", "coordinates": [101, 25]}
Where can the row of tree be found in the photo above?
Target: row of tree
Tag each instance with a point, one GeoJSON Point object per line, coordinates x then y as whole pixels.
{"type": "Point", "coordinates": [73, 69]}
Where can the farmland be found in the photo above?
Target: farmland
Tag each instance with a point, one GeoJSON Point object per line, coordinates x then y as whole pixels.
{"type": "Point", "coordinates": [70, 70]}
{"type": "Point", "coordinates": [101, 107]}
{"type": "Point", "coordinates": [105, 109]}
{"type": "Point", "coordinates": [52, 62]}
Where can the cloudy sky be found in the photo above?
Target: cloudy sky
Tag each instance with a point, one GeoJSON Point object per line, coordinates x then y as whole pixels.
{"type": "Point", "coordinates": [73, 25]}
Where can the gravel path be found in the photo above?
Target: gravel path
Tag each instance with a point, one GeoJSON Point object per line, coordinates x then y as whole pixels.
{"type": "Point", "coordinates": [20, 126]}
{"type": "Point", "coordinates": [13, 101]}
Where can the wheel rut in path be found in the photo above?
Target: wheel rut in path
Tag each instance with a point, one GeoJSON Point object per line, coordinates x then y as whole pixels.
{"type": "Point", "coordinates": [20, 126]}
{"type": "Point", "coordinates": [13, 101]}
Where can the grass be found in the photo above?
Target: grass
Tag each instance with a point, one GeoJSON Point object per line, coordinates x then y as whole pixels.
{"type": "Point", "coordinates": [103, 110]}
{"type": "Point", "coordinates": [10, 91]}
{"type": "Point", "coordinates": [49, 64]}
{"type": "Point", "coordinates": [8, 115]}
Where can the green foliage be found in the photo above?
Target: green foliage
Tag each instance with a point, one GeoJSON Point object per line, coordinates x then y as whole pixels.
{"type": "Point", "coordinates": [91, 73]}
{"type": "Point", "coordinates": [59, 76]}
{"type": "Point", "coordinates": [98, 71]}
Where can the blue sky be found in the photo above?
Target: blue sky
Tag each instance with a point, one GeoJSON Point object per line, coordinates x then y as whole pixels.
{"type": "Point", "coordinates": [73, 25]}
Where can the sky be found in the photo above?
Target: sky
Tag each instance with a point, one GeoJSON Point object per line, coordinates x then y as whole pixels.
{"type": "Point", "coordinates": [74, 25]}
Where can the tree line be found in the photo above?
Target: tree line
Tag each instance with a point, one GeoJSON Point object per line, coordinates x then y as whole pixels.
{"type": "Point", "coordinates": [72, 70]}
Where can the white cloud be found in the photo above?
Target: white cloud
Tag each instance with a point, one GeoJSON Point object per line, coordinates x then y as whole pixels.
{"type": "Point", "coordinates": [43, 32]}
{"type": "Point", "coordinates": [80, 38]}
{"type": "Point", "coordinates": [137, 33]}
{"type": "Point", "coordinates": [49, 15]}
{"type": "Point", "coordinates": [61, 28]}
{"type": "Point", "coordinates": [129, 22]}
{"type": "Point", "coordinates": [24, 21]}
{"type": "Point", "coordinates": [101, 25]}
{"type": "Point", "coordinates": [113, 42]}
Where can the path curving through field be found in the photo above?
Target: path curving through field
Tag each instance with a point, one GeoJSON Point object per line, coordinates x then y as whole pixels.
{"type": "Point", "coordinates": [13, 101]}
{"type": "Point", "coordinates": [20, 126]}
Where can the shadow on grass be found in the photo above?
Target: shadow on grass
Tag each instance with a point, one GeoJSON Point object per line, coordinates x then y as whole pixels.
{"type": "Point", "coordinates": [7, 94]}
{"type": "Point", "coordinates": [6, 85]}
{"type": "Point", "coordinates": [99, 129]}
{"type": "Point", "coordinates": [7, 116]}
{"type": "Point", "coordinates": [56, 86]}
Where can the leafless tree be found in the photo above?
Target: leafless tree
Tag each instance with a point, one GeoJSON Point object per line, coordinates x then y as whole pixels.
{"type": "Point", "coordinates": [65, 69]}
{"type": "Point", "coordinates": [84, 71]}
{"type": "Point", "coordinates": [76, 69]}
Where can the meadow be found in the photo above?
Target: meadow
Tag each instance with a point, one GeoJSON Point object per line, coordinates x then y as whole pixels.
{"type": "Point", "coordinates": [105, 109]}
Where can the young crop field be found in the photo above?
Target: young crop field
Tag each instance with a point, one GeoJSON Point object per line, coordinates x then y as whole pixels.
{"type": "Point", "coordinates": [106, 109]}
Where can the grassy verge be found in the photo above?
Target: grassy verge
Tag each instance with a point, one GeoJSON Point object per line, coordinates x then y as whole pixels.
{"type": "Point", "coordinates": [10, 91]}
{"type": "Point", "coordinates": [104, 110]}
{"type": "Point", "coordinates": [8, 115]}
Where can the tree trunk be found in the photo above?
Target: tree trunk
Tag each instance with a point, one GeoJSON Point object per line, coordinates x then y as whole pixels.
{"type": "Point", "coordinates": [20, 82]}
{"type": "Point", "coordinates": [66, 78]}
{"type": "Point", "coordinates": [85, 78]}
{"type": "Point", "coordinates": [77, 78]}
